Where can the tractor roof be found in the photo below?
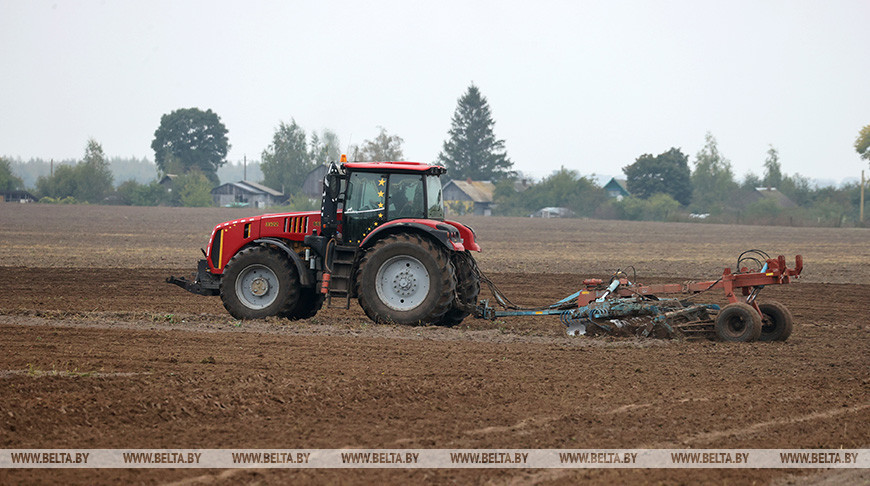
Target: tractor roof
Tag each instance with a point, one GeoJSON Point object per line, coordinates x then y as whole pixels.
{"type": "Point", "coordinates": [395, 166]}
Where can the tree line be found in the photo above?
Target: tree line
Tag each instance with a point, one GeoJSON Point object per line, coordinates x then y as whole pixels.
{"type": "Point", "coordinates": [192, 144]}
{"type": "Point", "coordinates": [667, 187]}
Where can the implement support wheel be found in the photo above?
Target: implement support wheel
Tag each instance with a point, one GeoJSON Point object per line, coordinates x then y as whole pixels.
{"type": "Point", "coordinates": [738, 322]}
{"type": "Point", "coordinates": [776, 322]}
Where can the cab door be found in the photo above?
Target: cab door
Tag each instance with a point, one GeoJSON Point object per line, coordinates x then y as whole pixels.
{"type": "Point", "coordinates": [364, 205]}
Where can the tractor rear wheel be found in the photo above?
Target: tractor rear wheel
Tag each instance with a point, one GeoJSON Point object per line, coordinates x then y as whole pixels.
{"type": "Point", "coordinates": [776, 321]}
{"type": "Point", "coordinates": [738, 322]}
{"type": "Point", "coordinates": [467, 289]}
{"type": "Point", "coordinates": [405, 279]}
{"type": "Point", "coordinates": [259, 282]}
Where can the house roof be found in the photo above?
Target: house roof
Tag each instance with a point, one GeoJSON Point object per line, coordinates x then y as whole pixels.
{"type": "Point", "coordinates": [478, 191]}
{"type": "Point", "coordinates": [17, 194]}
{"type": "Point", "coordinates": [252, 188]}
{"type": "Point", "coordinates": [262, 188]}
{"type": "Point", "coordinates": [772, 193]}
{"type": "Point", "coordinates": [622, 183]}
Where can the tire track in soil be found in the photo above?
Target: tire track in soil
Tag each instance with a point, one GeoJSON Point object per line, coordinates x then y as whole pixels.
{"type": "Point", "coordinates": [756, 427]}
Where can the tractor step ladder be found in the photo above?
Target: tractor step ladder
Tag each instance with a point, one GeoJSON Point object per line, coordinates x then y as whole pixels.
{"type": "Point", "coordinates": [342, 274]}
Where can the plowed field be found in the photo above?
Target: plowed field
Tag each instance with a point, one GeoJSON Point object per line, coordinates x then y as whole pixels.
{"type": "Point", "coordinates": [99, 352]}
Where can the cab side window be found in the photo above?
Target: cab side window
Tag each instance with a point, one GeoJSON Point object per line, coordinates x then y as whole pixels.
{"type": "Point", "coordinates": [406, 196]}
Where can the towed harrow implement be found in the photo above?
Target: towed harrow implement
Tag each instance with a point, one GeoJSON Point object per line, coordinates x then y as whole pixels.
{"type": "Point", "coordinates": [624, 307]}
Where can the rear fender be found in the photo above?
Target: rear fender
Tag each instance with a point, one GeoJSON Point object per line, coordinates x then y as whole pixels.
{"type": "Point", "coordinates": [445, 234]}
{"type": "Point", "coordinates": [467, 234]}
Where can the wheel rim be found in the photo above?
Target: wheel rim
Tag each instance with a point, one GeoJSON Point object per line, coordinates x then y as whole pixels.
{"type": "Point", "coordinates": [257, 286]}
{"type": "Point", "coordinates": [402, 283]}
{"type": "Point", "coordinates": [735, 325]}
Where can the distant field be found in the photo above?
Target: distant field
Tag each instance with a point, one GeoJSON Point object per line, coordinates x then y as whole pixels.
{"type": "Point", "coordinates": [39, 235]}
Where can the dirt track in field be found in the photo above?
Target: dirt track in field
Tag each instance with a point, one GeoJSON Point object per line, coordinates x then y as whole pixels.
{"type": "Point", "coordinates": [109, 356]}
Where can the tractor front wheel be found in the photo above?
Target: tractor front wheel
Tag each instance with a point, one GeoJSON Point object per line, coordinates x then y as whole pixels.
{"type": "Point", "coordinates": [405, 279]}
{"type": "Point", "coordinates": [259, 282]}
{"type": "Point", "coordinates": [776, 322]}
{"type": "Point", "coordinates": [738, 322]}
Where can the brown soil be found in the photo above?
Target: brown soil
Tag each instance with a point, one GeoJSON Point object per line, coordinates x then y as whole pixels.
{"type": "Point", "coordinates": [99, 352]}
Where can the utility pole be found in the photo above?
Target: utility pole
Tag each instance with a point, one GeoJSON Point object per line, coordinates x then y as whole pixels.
{"type": "Point", "coordinates": [245, 169]}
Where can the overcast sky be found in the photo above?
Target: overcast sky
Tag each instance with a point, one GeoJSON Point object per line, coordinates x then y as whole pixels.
{"type": "Point", "coordinates": [587, 85]}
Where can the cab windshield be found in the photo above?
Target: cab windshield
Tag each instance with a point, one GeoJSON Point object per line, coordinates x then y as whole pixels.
{"type": "Point", "coordinates": [433, 197]}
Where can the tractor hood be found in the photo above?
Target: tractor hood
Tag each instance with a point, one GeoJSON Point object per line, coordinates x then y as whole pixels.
{"type": "Point", "coordinates": [228, 237]}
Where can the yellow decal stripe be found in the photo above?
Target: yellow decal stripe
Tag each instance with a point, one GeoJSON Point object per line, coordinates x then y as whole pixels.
{"type": "Point", "coordinates": [221, 251]}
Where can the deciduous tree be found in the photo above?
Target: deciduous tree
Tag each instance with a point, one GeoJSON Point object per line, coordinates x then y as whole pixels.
{"type": "Point", "coordinates": [190, 139]}
{"type": "Point", "coordinates": [193, 190]}
{"type": "Point", "coordinates": [563, 188]}
{"type": "Point", "coordinates": [666, 173]}
{"type": "Point", "coordinates": [712, 179]}
{"type": "Point", "coordinates": [772, 169]}
{"type": "Point", "coordinates": [383, 148]}
{"type": "Point", "coordinates": [325, 147]}
{"type": "Point", "coordinates": [286, 161]}
{"type": "Point", "coordinates": [90, 180]}
{"type": "Point", "coordinates": [862, 143]}
{"type": "Point", "coordinates": [8, 181]}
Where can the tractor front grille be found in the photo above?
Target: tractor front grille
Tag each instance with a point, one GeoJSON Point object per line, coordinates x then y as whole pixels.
{"type": "Point", "coordinates": [296, 224]}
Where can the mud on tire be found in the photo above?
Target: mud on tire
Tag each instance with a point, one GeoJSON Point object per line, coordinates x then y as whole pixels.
{"type": "Point", "coordinates": [259, 282]}
{"type": "Point", "coordinates": [405, 279]}
{"type": "Point", "coordinates": [467, 288]}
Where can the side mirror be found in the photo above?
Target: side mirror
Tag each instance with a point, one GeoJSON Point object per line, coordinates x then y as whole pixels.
{"type": "Point", "coordinates": [332, 185]}
{"type": "Point", "coordinates": [332, 182]}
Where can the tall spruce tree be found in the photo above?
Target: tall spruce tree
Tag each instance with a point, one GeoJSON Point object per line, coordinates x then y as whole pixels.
{"type": "Point", "coordinates": [472, 151]}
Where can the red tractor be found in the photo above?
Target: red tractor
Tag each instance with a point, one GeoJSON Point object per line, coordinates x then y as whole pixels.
{"type": "Point", "coordinates": [380, 237]}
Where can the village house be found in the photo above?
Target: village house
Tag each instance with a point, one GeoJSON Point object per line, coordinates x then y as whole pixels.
{"type": "Point", "coordinates": [246, 194]}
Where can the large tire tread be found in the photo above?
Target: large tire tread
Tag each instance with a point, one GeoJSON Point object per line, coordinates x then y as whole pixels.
{"type": "Point", "coordinates": [467, 288]}
{"type": "Point", "coordinates": [310, 302]}
{"type": "Point", "coordinates": [738, 322]}
{"type": "Point", "coordinates": [441, 279]}
{"type": "Point", "coordinates": [283, 268]}
{"type": "Point", "coordinates": [777, 322]}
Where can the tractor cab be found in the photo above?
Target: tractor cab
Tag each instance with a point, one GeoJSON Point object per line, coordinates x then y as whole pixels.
{"type": "Point", "coordinates": [370, 194]}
